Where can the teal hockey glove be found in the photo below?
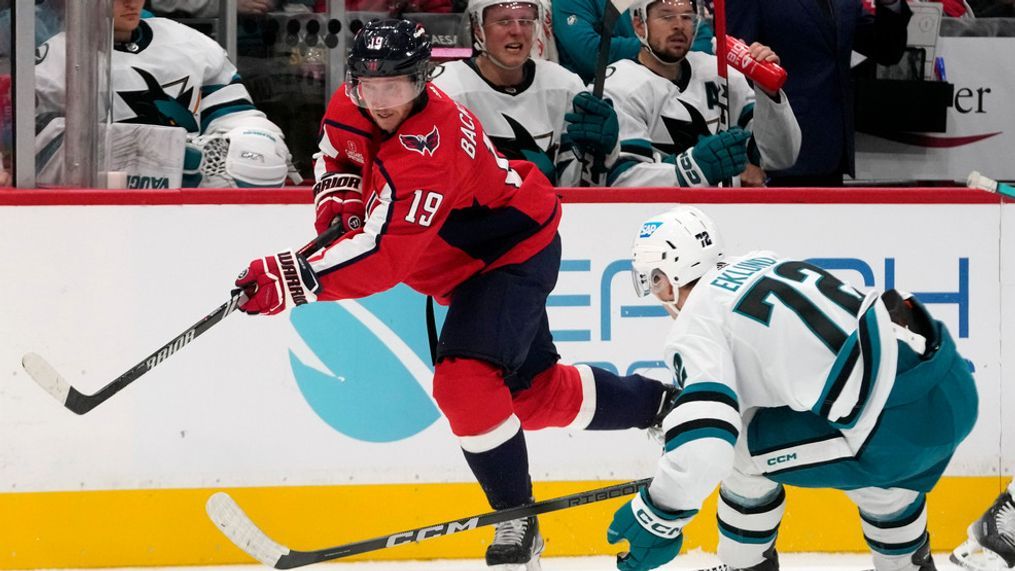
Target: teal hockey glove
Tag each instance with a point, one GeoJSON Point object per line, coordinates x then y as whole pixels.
{"type": "Point", "coordinates": [653, 533]}
{"type": "Point", "coordinates": [714, 159]}
{"type": "Point", "coordinates": [592, 126]}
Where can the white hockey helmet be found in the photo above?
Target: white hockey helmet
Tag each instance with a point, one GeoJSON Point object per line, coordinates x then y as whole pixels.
{"type": "Point", "coordinates": [476, 8]}
{"type": "Point", "coordinates": [679, 245]}
{"type": "Point", "coordinates": [243, 157]}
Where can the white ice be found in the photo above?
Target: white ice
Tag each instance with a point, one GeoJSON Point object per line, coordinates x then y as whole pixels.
{"type": "Point", "coordinates": [686, 562]}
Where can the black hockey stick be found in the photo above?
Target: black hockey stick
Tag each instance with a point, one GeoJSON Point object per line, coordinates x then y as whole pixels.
{"type": "Point", "coordinates": [239, 528]}
{"type": "Point", "coordinates": [80, 403]}
{"type": "Point", "coordinates": [610, 16]}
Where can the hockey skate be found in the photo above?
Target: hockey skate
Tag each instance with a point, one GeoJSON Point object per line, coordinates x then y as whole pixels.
{"type": "Point", "coordinates": [516, 546]}
{"type": "Point", "coordinates": [991, 543]}
{"type": "Point", "coordinates": [771, 562]}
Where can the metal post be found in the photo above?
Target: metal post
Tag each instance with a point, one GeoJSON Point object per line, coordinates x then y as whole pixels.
{"type": "Point", "coordinates": [81, 138]}
{"type": "Point", "coordinates": [335, 72]}
{"type": "Point", "coordinates": [23, 20]}
{"type": "Point", "coordinates": [227, 28]}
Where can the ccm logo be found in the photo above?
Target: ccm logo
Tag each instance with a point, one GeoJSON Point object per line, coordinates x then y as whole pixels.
{"type": "Point", "coordinates": [781, 459]}
{"type": "Point", "coordinates": [432, 531]}
{"type": "Point", "coordinates": [655, 526]}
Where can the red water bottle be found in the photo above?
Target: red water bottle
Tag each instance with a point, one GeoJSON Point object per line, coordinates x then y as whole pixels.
{"type": "Point", "coordinates": [768, 75]}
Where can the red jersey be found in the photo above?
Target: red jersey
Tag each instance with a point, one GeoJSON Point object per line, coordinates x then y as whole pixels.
{"type": "Point", "coordinates": [442, 205]}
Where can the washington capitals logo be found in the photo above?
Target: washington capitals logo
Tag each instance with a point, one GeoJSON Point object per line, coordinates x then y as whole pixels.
{"type": "Point", "coordinates": [424, 145]}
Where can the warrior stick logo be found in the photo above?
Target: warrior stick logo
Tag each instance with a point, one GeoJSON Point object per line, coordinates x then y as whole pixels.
{"type": "Point", "coordinates": [177, 344]}
{"type": "Point", "coordinates": [422, 144]}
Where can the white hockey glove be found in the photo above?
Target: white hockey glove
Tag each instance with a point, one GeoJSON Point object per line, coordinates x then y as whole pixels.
{"type": "Point", "coordinates": [241, 158]}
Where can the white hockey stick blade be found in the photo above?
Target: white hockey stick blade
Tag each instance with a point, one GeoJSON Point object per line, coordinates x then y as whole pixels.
{"type": "Point", "coordinates": [47, 377]}
{"type": "Point", "coordinates": [971, 555]}
{"type": "Point", "coordinates": [238, 527]}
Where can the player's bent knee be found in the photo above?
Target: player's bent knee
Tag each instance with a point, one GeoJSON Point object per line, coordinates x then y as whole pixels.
{"type": "Point", "coordinates": [560, 396]}
{"type": "Point", "coordinates": [472, 395]}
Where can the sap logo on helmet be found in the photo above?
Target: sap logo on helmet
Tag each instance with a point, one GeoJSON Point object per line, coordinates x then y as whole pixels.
{"type": "Point", "coordinates": [648, 229]}
{"type": "Point", "coordinates": [422, 144]}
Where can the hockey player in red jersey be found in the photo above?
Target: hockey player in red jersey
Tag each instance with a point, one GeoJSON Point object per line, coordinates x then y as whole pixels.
{"type": "Point", "coordinates": [446, 215]}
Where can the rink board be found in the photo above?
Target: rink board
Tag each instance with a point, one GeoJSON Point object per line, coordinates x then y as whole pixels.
{"type": "Point", "coordinates": [296, 412]}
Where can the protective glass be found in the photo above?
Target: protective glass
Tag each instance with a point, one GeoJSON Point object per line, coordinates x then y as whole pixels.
{"type": "Point", "coordinates": [383, 92]}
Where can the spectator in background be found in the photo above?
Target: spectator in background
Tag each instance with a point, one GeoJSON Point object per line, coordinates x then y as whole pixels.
{"type": "Point", "coordinates": [521, 101]}
{"type": "Point", "coordinates": [166, 75]}
{"type": "Point", "coordinates": [814, 39]}
{"type": "Point", "coordinates": [576, 27]}
{"type": "Point", "coordinates": [210, 8]}
{"type": "Point", "coordinates": [48, 21]}
{"type": "Point", "coordinates": [669, 110]}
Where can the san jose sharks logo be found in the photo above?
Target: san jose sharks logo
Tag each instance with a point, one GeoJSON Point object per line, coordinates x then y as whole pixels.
{"type": "Point", "coordinates": [154, 106]}
{"type": "Point", "coordinates": [684, 133]}
{"type": "Point", "coordinates": [525, 146]}
{"type": "Point", "coordinates": [422, 144]}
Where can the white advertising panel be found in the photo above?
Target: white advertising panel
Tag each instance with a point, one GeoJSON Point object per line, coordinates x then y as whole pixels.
{"type": "Point", "coordinates": [339, 393]}
{"type": "Point", "coordinates": [980, 126]}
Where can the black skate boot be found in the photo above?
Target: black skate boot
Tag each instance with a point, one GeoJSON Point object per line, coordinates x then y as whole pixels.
{"type": "Point", "coordinates": [991, 543]}
{"type": "Point", "coordinates": [516, 545]}
{"type": "Point", "coordinates": [771, 562]}
{"type": "Point", "coordinates": [922, 558]}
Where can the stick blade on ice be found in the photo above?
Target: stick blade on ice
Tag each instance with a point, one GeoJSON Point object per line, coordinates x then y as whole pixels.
{"type": "Point", "coordinates": [43, 373]}
{"type": "Point", "coordinates": [238, 527]}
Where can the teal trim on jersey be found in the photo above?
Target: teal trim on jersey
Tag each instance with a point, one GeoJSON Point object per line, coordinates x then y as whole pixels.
{"type": "Point", "coordinates": [217, 112]}
{"type": "Point", "coordinates": [870, 360]}
{"type": "Point", "coordinates": [212, 88]}
{"type": "Point", "coordinates": [905, 514]}
{"type": "Point", "coordinates": [739, 538]}
{"type": "Point", "coordinates": [620, 167]}
{"type": "Point", "coordinates": [698, 434]}
{"type": "Point", "coordinates": [746, 115]}
{"type": "Point", "coordinates": [802, 316]}
{"type": "Point", "coordinates": [640, 147]}
{"type": "Point", "coordinates": [840, 362]}
{"type": "Point", "coordinates": [708, 387]}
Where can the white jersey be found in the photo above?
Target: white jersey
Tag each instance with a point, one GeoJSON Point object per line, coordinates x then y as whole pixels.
{"type": "Point", "coordinates": [762, 332]}
{"type": "Point", "coordinates": [660, 118]}
{"type": "Point", "coordinates": [168, 74]}
{"type": "Point", "coordinates": [524, 123]}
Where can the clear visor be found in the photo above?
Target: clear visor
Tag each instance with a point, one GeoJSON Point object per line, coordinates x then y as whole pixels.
{"type": "Point", "coordinates": [648, 282]}
{"type": "Point", "coordinates": [507, 14]}
{"type": "Point", "coordinates": [383, 92]}
{"type": "Point", "coordinates": [674, 12]}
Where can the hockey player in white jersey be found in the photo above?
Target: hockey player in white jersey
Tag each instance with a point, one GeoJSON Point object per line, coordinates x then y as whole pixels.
{"type": "Point", "coordinates": [991, 543]}
{"type": "Point", "coordinates": [790, 376]}
{"type": "Point", "coordinates": [165, 74]}
{"type": "Point", "coordinates": [668, 103]}
{"type": "Point", "coordinates": [523, 102]}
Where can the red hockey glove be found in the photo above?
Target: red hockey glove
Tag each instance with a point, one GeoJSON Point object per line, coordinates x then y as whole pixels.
{"type": "Point", "coordinates": [338, 200]}
{"type": "Point", "coordinates": [271, 284]}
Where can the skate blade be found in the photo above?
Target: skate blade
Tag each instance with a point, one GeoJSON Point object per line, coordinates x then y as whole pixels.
{"type": "Point", "coordinates": [971, 555]}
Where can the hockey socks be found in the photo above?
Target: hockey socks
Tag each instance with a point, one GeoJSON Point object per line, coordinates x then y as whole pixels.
{"type": "Point", "coordinates": [625, 402]}
{"type": "Point", "coordinates": [503, 472]}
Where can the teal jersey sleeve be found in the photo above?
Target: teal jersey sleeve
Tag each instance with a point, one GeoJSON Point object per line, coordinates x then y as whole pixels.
{"type": "Point", "coordinates": [576, 26]}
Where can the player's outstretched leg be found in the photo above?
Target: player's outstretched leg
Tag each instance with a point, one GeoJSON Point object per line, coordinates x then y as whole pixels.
{"type": "Point", "coordinates": [991, 544]}
{"type": "Point", "coordinates": [517, 545]}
